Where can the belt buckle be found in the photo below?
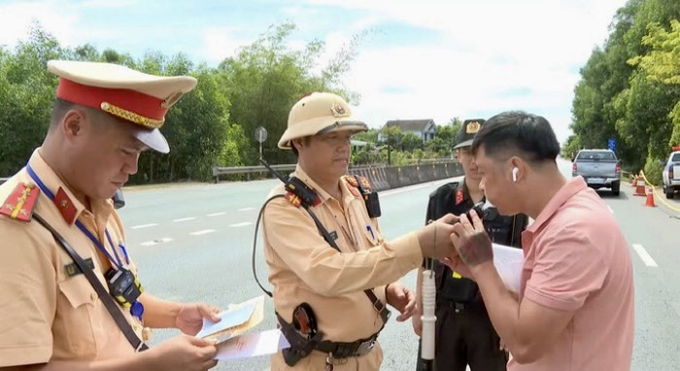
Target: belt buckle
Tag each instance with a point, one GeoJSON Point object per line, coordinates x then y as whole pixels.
{"type": "Point", "coordinates": [378, 306]}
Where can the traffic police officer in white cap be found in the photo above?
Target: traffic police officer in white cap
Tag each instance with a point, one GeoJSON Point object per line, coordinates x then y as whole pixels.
{"type": "Point", "coordinates": [72, 297]}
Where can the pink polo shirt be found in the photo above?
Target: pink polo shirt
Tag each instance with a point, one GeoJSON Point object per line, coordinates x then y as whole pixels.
{"type": "Point", "coordinates": [577, 260]}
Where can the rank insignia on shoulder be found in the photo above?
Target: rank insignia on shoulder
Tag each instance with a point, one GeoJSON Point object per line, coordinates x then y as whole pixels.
{"type": "Point", "coordinates": [365, 183]}
{"type": "Point", "coordinates": [293, 199]}
{"type": "Point", "coordinates": [20, 203]}
{"type": "Point", "coordinates": [352, 185]}
{"type": "Point", "coordinates": [460, 197]}
{"type": "Point", "coordinates": [350, 180]}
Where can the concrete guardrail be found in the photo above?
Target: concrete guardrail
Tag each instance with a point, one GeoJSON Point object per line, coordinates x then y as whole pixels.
{"type": "Point", "coordinates": [380, 177]}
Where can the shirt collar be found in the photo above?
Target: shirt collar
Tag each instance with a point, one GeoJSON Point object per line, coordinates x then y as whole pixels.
{"type": "Point", "coordinates": [568, 190]}
{"type": "Point", "coordinates": [325, 196]}
{"type": "Point", "coordinates": [53, 183]}
{"type": "Point", "coordinates": [300, 174]}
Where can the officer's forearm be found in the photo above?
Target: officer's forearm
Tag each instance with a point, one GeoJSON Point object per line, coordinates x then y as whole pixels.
{"type": "Point", "coordinates": [159, 313]}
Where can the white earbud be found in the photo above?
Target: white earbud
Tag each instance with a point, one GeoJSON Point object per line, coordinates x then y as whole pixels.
{"type": "Point", "coordinates": [514, 174]}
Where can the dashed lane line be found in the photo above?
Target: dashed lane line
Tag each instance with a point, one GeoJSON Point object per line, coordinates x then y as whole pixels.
{"type": "Point", "coordinates": [145, 226]}
{"type": "Point", "coordinates": [644, 255]}
{"type": "Point", "coordinates": [241, 224]}
{"type": "Point", "coordinates": [184, 219]}
{"type": "Point", "coordinates": [201, 232]}
{"type": "Point", "coordinates": [217, 214]}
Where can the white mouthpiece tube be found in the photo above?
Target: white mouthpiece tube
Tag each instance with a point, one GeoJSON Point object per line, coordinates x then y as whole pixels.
{"type": "Point", "coordinates": [429, 297]}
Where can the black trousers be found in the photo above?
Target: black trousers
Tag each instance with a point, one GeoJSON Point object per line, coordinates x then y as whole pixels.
{"type": "Point", "coordinates": [464, 336]}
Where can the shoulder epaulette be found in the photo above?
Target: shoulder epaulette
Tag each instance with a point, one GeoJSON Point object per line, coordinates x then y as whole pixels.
{"type": "Point", "coordinates": [21, 202]}
{"type": "Point", "coordinates": [293, 199]}
{"type": "Point", "coordinates": [352, 185]}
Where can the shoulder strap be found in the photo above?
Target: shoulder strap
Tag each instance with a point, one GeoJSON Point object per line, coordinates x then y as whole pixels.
{"type": "Point", "coordinates": [104, 295]}
{"type": "Point", "coordinates": [377, 304]}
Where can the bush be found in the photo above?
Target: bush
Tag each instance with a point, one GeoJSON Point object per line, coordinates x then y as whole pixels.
{"type": "Point", "coordinates": [653, 170]}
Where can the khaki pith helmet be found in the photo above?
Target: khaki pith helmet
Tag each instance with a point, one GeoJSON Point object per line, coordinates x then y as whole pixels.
{"type": "Point", "coordinates": [319, 113]}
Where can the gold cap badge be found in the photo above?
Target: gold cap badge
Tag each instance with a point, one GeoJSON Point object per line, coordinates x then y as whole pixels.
{"type": "Point", "coordinates": [472, 127]}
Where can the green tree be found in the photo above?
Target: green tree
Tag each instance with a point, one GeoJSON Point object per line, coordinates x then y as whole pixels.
{"type": "Point", "coordinates": [614, 100]}
{"type": "Point", "coordinates": [662, 65]}
{"type": "Point", "coordinates": [411, 142]}
{"type": "Point", "coordinates": [391, 138]}
{"type": "Point", "coordinates": [26, 93]}
{"type": "Point", "coordinates": [266, 78]}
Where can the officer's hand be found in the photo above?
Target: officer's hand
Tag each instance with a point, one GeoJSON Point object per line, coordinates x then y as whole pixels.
{"type": "Point", "coordinates": [434, 238]}
{"type": "Point", "coordinates": [190, 317]}
{"type": "Point", "coordinates": [183, 353]}
{"type": "Point", "coordinates": [402, 299]}
{"type": "Point", "coordinates": [471, 241]}
{"type": "Point", "coordinates": [417, 323]}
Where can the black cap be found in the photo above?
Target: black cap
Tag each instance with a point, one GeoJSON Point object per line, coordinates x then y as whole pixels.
{"type": "Point", "coordinates": [467, 132]}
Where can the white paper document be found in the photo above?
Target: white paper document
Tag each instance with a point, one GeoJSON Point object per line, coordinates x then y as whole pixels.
{"type": "Point", "coordinates": [230, 318]}
{"type": "Point", "coordinates": [509, 262]}
{"type": "Point", "coordinates": [252, 345]}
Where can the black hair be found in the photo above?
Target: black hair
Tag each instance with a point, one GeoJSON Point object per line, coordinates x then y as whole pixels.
{"type": "Point", "coordinates": [517, 133]}
{"type": "Point", "coordinates": [61, 107]}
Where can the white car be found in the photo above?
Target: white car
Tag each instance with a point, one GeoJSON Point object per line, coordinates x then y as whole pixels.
{"type": "Point", "coordinates": [671, 174]}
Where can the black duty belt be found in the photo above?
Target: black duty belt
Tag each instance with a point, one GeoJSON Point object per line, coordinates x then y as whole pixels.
{"type": "Point", "coordinates": [344, 350]}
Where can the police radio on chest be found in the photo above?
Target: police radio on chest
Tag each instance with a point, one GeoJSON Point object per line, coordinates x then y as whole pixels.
{"type": "Point", "coordinates": [300, 189]}
{"type": "Point", "coordinates": [124, 286]}
{"type": "Point", "coordinates": [370, 198]}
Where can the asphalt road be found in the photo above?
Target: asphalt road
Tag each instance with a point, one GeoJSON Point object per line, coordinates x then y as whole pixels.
{"type": "Point", "coordinates": [194, 243]}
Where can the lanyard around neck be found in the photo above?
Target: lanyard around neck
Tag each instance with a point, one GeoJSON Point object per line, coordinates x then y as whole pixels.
{"type": "Point", "coordinates": [116, 262]}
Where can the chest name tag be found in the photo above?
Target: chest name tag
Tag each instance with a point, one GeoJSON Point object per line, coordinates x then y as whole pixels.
{"type": "Point", "coordinates": [73, 269]}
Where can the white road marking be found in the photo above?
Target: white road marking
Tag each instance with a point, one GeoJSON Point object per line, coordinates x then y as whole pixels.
{"type": "Point", "coordinates": [241, 224]}
{"type": "Point", "coordinates": [184, 219]}
{"type": "Point", "coordinates": [217, 214]}
{"type": "Point", "coordinates": [644, 255]}
{"type": "Point", "coordinates": [610, 209]}
{"type": "Point", "coordinates": [156, 242]}
{"type": "Point", "coordinates": [144, 226]}
{"type": "Point", "coordinates": [246, 209]}
{"type": "Point", "coordinates": [204, 231]}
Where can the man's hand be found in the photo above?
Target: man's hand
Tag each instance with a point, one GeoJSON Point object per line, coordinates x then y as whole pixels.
{"type": "Point", "coordinates": [182, 353]}
{"type": "Point", "coordinates": [190, 317]}
{"type": "Point", "coordinates": [434, 238]}
{"type": "Point", "coordinates": [471, 241]}
{"type": "Point", "coordinates": [402, 299]}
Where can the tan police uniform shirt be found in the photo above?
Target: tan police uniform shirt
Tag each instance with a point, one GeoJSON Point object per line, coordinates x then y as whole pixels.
{"type": "Point", "coordinates": [303, 267]}
{"type": "Point", "coordinates": [45, 314]}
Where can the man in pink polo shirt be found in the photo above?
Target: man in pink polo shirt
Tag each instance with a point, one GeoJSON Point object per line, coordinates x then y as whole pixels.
{"type": "Point", "coordinates": [575, 310]}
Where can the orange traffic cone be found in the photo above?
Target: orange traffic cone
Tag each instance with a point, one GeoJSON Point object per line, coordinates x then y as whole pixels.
{"type": "Point", "coordinates": [650, 197]}
{"type": "Point", "coordinates": [640, 187]}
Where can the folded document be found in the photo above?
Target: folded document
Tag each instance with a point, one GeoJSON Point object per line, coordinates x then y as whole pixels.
{"type": "Point", "coordinates": [228, 332]}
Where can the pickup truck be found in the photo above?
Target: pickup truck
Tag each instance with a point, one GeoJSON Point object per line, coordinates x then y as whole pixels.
{"type": "Point", "coordinates": [599, 168]}
{"type": "Point", "coordinates": [671, 175]}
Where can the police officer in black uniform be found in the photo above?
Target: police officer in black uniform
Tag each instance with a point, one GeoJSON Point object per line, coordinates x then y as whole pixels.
{"type": "Point", "coordinates": [463, 331]}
